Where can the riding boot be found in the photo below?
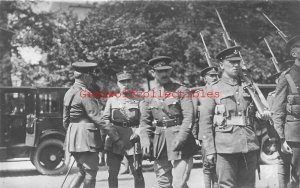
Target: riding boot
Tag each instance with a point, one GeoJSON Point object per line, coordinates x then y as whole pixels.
{"type": "Point", "coordinates": [89, 183]}
{"type": "Point", "coordinates": [76, 181]}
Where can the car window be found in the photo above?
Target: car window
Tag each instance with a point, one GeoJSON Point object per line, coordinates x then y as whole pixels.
{"type": "Point", "coordinates": [49, 103]}
{"type": "Point", "coordinates": [14, 103]}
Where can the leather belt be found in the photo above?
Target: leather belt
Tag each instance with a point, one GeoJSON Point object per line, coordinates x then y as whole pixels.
{"type": "Point", "coordinates": [126, 124]}
{"type": "Point", "coordinates": [167, 123]}
{"type": "Point", "coordinates": [238, 121]}
{"type": "Point", "coordinates": [79, 120]}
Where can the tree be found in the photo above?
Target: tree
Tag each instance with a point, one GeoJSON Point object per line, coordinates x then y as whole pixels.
{"type": "Point", "coordinates": [117, 34]}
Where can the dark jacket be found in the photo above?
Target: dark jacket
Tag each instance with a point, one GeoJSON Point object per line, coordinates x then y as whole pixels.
{"type": "Point", "coordinates": [83, 131]}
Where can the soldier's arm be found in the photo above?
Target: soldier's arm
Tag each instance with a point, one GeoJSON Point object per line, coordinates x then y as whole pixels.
{"type": "Point", "coordinates": [279, 107]}
{"type": "Point", "coordinates": [65, 116]}
{"type": "Point", "coordinates": [187, 113]}
{"type": "Point", "coordinates": [107, 111]}
{"type": "Point", "coordinates": [195, 128]}
{"type": "Point", "coordinates": [206, 123]}
{"type": "Point", "coordinates": [93, 110]}
{"type": "Point", "coordinates": [146, 119]}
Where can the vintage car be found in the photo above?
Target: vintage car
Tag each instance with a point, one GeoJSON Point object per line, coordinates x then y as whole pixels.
{"type": "Point", "coordinates": [31, 127]}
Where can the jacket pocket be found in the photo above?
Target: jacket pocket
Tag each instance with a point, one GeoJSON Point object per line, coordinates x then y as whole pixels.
{"type": "Point", "coordinates": [94, 138]}
{"type": "Point", "coordinates": [173, 106]}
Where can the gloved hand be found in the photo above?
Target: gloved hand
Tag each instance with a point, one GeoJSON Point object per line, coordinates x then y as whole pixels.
{"type": "Point", "coordinates": [211, 159]}
{"type": "Point", "coordinates": [198, 144]}
{"type": "Point", "coordinates": [134, 138]}
{"type": "Point", "coordinates": [285, 148]}
{"type": "Point", "coordinates": [146, 150]}
{"type": "Point", "coordinates": [266, 115]}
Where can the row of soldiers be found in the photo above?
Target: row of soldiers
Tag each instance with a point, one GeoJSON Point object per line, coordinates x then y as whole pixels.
{"type": "Point", "coordinates": [162, 127]}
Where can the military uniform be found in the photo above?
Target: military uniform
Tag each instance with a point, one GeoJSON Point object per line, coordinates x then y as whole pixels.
{"type": "Point", "coordinates": [165, 120]}
{"type": "Point", "coordinates": [228, 129]}
{"type": "Point", "coordinates": [209, 170]}
{"type": "Point", "coordinates": [283, 166]}
{"type": "Point", "coordinates": [82, 119]}
{"type": "Point", "coordinates": [287, 110]}
{"type": "Point", "coordinates": [123, 112]}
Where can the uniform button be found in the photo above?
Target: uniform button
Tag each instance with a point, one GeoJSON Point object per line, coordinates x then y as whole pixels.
{"type": "Point", "coordinates": [238, 103]}
{"type": "Point", "coordinates": [240, 113]}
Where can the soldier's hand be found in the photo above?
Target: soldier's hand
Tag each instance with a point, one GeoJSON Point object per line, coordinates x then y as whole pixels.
{"type": "Point", "coordinates": [134, 138]}
{"type": "Point", "coordinates": [198, 144]}
{"type": "Point", "coordinates": [146, 150]}
{"type": "Point", "coordinates": [211, 158]}
{"type": "Point", "coordinates": [266, 115]}
{"type": "Point", "coordinates": [285, 148]}
{"type": "Point", "coordinates": [120, 144]}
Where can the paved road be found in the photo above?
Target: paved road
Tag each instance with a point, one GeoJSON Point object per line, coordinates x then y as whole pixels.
{"type": "Point", "coordinates": [24, 175]}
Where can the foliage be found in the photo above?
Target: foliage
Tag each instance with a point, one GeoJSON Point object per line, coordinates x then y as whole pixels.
{"type": "Point", "coordinates": [117, 34]}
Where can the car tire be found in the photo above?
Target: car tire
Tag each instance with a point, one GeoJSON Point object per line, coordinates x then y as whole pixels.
{"type": "Point", "coordinates": [48, 157]}
{"type": "Point", "coordinates": [267, 153]}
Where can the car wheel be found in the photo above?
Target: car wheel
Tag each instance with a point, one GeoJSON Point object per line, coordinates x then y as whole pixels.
{"type": "Point", "coordinates": [268, 151]}
{"type": "Point", "coordinates": [48, 157]}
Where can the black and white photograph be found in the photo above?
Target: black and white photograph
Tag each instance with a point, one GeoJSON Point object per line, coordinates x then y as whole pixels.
{"type": "Point", "coordinates": [150, 93]}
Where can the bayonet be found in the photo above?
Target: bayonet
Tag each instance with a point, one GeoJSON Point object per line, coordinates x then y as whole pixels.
{"type": "Point", "coordinates": [273, 58]}
{"type": "Point", "coordinates": [206, 53]}
{"type": "Point", "coordinates": [282, 35]}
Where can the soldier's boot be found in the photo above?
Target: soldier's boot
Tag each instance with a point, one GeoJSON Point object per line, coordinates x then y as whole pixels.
{"type": "Point", "coordinates": [112, 183]}
{"type": "Point", "coordinates": [89, 183]}
{"type": "Point", "coordinates": [77, 181]}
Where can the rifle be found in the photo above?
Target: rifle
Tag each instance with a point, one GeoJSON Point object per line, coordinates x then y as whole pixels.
{"type": "Point", "coordinates": [273, 58]}
{"type": "Point", "coordinates": [259, 100]}
{"type": "Point", "coordinates": [281, 34]}
{"type": "Point", "coordinates": [206, 53]}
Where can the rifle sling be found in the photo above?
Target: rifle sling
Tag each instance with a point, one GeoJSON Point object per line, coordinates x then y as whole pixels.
{"type": "Point", "coordinates": [291, 83]}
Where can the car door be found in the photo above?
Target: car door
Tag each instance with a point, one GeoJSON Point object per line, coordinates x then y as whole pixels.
{"type": "Point", "coordinates": [16, 104]}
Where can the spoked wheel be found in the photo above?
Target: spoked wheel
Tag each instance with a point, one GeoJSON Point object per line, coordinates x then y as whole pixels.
{"type": "Point", "coordinates": [49, 157]}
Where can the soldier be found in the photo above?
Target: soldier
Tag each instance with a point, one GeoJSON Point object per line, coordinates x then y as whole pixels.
{"type": "Point", "coordinates": [227, 121]}
{"type": "Point", "coordinates": [123, 112]}
{"type": "Point", "coordinates": [83, 122]}
{"type": "Point", "coordinates": [283, 166]}
{"type": "Point", "coordinates": [166, 118]}
{"type": "Point", "coordinates": [286, 115]}
{"type": "Point", "coordinates": [210, 75]}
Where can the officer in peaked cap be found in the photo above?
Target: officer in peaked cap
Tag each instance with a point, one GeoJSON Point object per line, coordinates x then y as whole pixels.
{"type": "Point", "coordinates": [83, 121]}
{"type": "Point", "coordinates": [210, 75]}
{"type": "Point", "coordinates": [123, 114]}
{"type": "Point", "coordinates": [228, 127]}
{"type": "Point", "coordinates": [166, 123]}
{"type": "Point", "coordinates": [160, 63]}
{"type": "Point", "coordinates": [286, 115]}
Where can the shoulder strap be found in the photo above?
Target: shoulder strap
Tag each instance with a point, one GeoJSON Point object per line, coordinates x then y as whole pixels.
{"type": "Point", "coordinates": [291, 83]}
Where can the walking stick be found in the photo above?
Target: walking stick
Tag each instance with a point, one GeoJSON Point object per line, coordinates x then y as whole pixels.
{"type": "Point", "coordinates": [67, 175]}
{"type": "Point", "coordinates": [134, 157]}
